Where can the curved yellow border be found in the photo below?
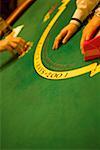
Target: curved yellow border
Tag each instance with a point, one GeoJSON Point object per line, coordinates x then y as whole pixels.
{"type": "Point", "coordinates": [56, 75]}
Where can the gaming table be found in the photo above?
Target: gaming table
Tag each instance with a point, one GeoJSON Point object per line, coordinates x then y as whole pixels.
{"type": "Point", "coordinates": [50, 99]}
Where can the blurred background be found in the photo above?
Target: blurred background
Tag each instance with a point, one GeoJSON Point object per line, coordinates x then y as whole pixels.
{"type": "Point", "coordinates": [7, 6]}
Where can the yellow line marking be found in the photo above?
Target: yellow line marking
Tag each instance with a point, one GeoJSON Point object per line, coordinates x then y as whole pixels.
{"type": "Point", "coordinates": [94, 68]}
{"type": "Point", "coordinates": [47, 16]}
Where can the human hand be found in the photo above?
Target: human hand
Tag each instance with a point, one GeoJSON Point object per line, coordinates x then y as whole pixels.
{"type": "Point", "coordinates": [89, 31]}
{"type": "Point", "coordinates": [65, 34]}
{"type": "Point", "coordinates": [11, 43]}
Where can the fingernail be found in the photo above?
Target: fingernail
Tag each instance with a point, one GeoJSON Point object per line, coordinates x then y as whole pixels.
{"type": "Point", "coordinates": [63, 42]}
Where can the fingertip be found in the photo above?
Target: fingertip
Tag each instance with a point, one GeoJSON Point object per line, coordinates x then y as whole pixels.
{"type": "Point", "coordinates": [53, 48]}
{"type": "Point", "coordinates": [82, 51]}
{"type": "Point", "coordinates": [66, 38]}
{"type": "Point", "coordinates": [87, 38]}
{"type": "Point", "coordinates": [63, 41]}
{"type": "Point", "coordinates": [81, 44]}
{"type": "Point", "coordinates": [56, 47]}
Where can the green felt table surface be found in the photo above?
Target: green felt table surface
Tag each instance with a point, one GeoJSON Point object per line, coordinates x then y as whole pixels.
{"type": "Point", "coordinates": [37, 113]}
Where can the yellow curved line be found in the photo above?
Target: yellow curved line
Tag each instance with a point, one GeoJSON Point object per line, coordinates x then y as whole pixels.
{"type": "Point", "coordinates": [49, 74]}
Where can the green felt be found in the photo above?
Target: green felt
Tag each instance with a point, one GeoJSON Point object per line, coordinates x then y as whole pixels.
{"type": "Point", "coordinates": [37, 113]}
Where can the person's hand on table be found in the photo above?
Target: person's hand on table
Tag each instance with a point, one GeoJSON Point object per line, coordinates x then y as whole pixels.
{"type": "Point", "coordinates": [11, 44]}
{"type": "Point", "coordinates": [65, 34]}
{"type": "Point", "coordinates": [89, 31]}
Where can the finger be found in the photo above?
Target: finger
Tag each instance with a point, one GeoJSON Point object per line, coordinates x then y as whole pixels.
{"type": "Point", "coordinates": [82, 43]}
{"type": "Point", "coordinates": [19, 40]}
{"type": "Point", "coordinates": [20, 44]}
{"type": "Point", "coordinates": [90, 35]}
{"type": "Point", "coordinates": [82, 46]}
{"type": "Point", "coordinates": [66, 38]}
{"type": "Point", "coordinates": [59, 39]}
{"type": "Point", "coordinates": [19, 49]}
{"type": "Point", "coordinates": [57, 42]}
{"type": "Point", "coordinates": [13, 45]}
{"type": "Point", "coordinates": [55, 45]}
{"type": "Point", "coordinates": [22, 49]}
